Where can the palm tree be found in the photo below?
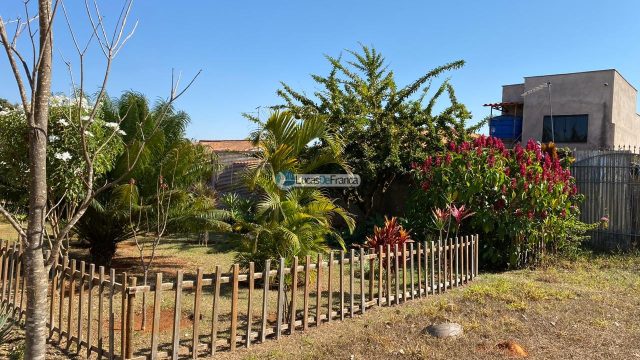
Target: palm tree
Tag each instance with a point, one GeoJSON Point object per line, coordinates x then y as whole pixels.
{"type": "Point", "coordinates": [296, 221]}
{"type": "Point", "coordinates": [167, 157]}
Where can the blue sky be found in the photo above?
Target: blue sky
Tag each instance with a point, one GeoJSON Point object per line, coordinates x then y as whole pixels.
{"type": "Point", "coordinates": [245, 48]}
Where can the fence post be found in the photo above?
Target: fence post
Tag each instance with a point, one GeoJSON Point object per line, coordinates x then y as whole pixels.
{"type": "Point", "coordinates": [411, 271]}
{"type": "Point", "coordinates": [451, 263]}
{"type": "Point", "coordinates": [5, 267]}
{"type": "Point", "coordinates": [123, 317]}
{"type": "Point", "coordinates": [100, 309]}
{"type": "Point", "coordinates": [112, 320]}
{"type": "Point", "coordinates": [196, 314]}
{"type": "Point", "coordinates": [433, 269]}
{"type": "Point", "coordinates": [234, 307]}
{"type": "Point", "coordinates": [12, 265]}
{"type": "Point", "coordinates": [458, 268]}
{"type": "Point", "coordinates": [445, 265]}
{"type": "Point", "coordinates": [250, 277]}
{"type": "Point", "coordinates": [351, 281]}
{"type": "Point", "coordinates": [155, 326]}
{"type": "Point", "coordinates": [130, 313]}
{"type": "Point", "coordinates": [477, 254]}
{"type": "Point", "coordinates": [81, 303]}
{"type": "Point", "coordinates": [280, 309]}
{"type": "Point", "coordinates": [307, 288]}
{"type": "Point", "coordinates": [2, 270]}
{"type": "Point", "coordinates": [265, 299]}
{"type": "Point", "coordinates": [372, 272]}
{"type": "Point", "coordinates": [319, 290]}
{"type": "Point", "coordinates": [397, 272]}
{"type": "Point", "coordinates": [439, 266]}
{"type": "Point", "coordinates": [473, 256]}
{"type": "Point", "coordinates": [54, 287]}
{"type": "Point", "coordinates": [380, 268]}
{"type": "Point", "coordinates": [388, 275]}
{"type": "Point", "coordinates": [330, 288]}
{"type": "Point", "coordinates": [419, 254]}
{"type": "Point", "coordinates": [341, 284]}
{"type": "Point", "coordinates": [363, 302]}
{"type": "Point", "coordinates": [294, 293]}
{"type": "Point", "coordinates": [16, 304]}
{"type": "Point", "coordinates": [426, 268]}
{"type": "Point", "coordinates": [92, 270]}
{"type": "Point", "coordinates": [216, 309]}
{"type": "Point", "coordinates": [404, 272]}
{"type": "Point", "coordinates": [72, 296]}
{"type": "Point", "coordinates": [177, 314]}
{"type": "Point", "coordinates": [466, 260]}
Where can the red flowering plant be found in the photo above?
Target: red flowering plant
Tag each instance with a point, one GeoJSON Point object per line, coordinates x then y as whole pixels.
{"type": "Point", "coordinates": [523, 199]}
{"type": "Point", "coordinates": [391, 233]}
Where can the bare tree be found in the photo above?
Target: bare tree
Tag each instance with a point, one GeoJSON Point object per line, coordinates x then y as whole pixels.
{"type": "Point", "coordinates": [145, 228]}
{"type": "Point", "coordinates": [32, 72]}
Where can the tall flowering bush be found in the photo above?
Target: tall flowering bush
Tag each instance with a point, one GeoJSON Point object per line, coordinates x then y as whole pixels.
{"type": "Point", "coordinates": [65, 162]}
{"type": "Point", "coordinates": [524, 199]}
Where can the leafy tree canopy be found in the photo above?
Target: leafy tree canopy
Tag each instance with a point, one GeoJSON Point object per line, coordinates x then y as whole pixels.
{"type": "Point", "coordinates": [385, 126]}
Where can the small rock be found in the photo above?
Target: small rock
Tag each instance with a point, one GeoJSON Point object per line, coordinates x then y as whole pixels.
{"type": "Point", "coordinates": [444, 330]}
{"type": "Point", "coordinates": [513, 348]}
{"type": "Point", "coordinates": [401, 351]}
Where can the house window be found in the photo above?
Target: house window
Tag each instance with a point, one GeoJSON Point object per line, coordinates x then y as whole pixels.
{"type": "Point", "coordinates": [567, 128]}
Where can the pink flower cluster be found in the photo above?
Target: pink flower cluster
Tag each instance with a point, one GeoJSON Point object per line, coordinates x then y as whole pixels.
{"type": "Point", "coordinates": [532, 171]}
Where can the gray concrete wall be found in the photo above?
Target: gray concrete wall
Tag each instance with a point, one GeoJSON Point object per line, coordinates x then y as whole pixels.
{"type": "Point", "coordinates": [625, 120]}
{"type": "Point", "coordinates": [512, 93]}
{"type": "Point", "coordinates": [572, 94]}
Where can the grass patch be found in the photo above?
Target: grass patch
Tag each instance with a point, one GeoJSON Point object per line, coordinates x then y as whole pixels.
{"type": "Point", "coordinates": [516, 292]}
{"type": "Point", "coordinates": [584, 309]}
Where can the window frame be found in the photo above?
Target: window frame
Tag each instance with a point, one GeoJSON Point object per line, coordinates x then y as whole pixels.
{"type": "Point", "coordinates": [547, 118]}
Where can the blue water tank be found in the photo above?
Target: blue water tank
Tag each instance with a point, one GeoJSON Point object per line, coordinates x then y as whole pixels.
{"type": "Point", "coordinates": [506, 127]}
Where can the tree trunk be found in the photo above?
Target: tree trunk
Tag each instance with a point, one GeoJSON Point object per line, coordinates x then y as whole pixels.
{"type": "Point", "coordinates": [144, 301]}
{"type": "Point", "coordinates": [35, 323]}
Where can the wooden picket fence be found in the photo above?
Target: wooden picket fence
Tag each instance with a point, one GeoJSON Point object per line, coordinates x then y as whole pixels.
{"type": "Point", "coordinates": [93, 314]}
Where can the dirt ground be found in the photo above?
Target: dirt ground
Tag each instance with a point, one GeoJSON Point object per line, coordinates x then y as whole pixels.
{"type": "Point", "coordinates": [588, 309]}
{"type": "Point", "coordinates": [582, 309]}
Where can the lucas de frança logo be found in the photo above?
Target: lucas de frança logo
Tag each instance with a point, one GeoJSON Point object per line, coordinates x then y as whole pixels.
{"type": "Point", "coordinates": [287, 180]}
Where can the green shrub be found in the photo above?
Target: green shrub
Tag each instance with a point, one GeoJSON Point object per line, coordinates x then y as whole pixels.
{"type": "Point", "coordinates": [6, 324]}
{"type": "Point", "coordinates": [524, 200]}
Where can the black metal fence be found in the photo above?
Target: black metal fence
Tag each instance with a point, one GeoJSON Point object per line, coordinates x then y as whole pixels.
{"type": "Point", "coordinates": [610, 181]}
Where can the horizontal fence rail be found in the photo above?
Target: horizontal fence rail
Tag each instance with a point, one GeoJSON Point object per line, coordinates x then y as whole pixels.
{"type": "Point", "coordinates": [195, 315]}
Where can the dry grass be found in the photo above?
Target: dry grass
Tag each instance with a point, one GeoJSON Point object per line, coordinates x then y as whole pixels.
{"type": "Point", "coordinates": [587, 309]}
{"type": "Point", "coordinates": [7, 232]}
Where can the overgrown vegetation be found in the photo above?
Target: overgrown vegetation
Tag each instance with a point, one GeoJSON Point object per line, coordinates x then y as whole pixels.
{"type": "Point", "coordinates": [524, 200]}
{"type": "Point", "coordinates": [170, 171]}
{"type": "Point", "coordinates": [281, 221]}
{"type": "Point", "coordinates": [385, 126]}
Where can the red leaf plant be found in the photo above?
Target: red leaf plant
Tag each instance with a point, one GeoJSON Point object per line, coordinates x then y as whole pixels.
{"type": "Point", "coordinates": [391, 233]}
